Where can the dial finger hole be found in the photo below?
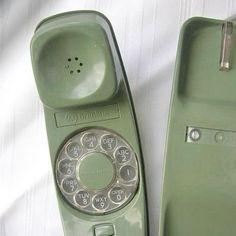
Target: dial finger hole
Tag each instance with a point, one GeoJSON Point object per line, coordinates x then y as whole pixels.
{"type": "Point", "coordinates": [66, 167]}
{"type": "Point", "coordinates": [83, 198]}
{"type": "Point", "coordinates": [70, 185]}
{"type": "Point", "coordinates": [73, 150]}
{"type": "Point", "coordinates": [123, 155]}
{"type": "Point", "coordinates": [90, 140]}
{"type": "Point", "coordinates": [108, 142]}
{"type": "Point", "coordinates": [117, 194]}
{"type": "Point", "coordinates": [127, 173]}
{"type": "Point", "coordinates": [100, 201]}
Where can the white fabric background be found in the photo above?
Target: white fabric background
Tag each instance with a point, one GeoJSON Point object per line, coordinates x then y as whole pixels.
{"type": "Point", "coordinates": [147, 33]}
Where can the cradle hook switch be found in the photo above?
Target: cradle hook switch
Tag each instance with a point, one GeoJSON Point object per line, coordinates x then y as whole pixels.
{"type": "Point", "coordinates": [226, 44]}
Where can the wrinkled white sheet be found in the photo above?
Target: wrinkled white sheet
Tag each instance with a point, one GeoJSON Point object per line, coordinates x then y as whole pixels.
{"type": "Point", "coordinates": [147, 33]}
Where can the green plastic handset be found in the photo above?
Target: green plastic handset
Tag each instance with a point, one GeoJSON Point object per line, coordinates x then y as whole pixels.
{"type": "Point", "coordinates": [199, 190]}
{"type": "Point", "coordinates": [91, 126]}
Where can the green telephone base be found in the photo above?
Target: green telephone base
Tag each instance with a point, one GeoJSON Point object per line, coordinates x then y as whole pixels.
{"type": "Point", "coordinates": [199, 194]}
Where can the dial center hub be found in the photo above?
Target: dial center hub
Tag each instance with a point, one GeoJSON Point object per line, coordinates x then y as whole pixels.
{"type": "Point", "coordinates": [95, 171]}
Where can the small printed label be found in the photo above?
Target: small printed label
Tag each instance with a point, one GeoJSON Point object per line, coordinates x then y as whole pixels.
{"type": "Point", "coordinates": [87, 115]}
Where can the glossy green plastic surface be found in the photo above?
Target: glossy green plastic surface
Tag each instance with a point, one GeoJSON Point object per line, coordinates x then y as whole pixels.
{"type": "Point", "coordinates": [97, 96]}
{"type": "Point", "coordinates": [199, 189]}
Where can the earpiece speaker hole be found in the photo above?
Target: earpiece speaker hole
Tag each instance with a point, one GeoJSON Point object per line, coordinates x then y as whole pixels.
{"type": "Point", "coordinates": [73, 63]}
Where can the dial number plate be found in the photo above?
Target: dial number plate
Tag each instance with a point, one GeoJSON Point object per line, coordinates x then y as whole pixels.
{"type": "Point", "coordinates": [97, 171]}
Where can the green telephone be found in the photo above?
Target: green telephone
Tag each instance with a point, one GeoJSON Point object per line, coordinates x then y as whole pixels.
{"type": "Point", "coordinates": [199, 194]}
{"type": "Point", "coordinates": [92, 132]}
